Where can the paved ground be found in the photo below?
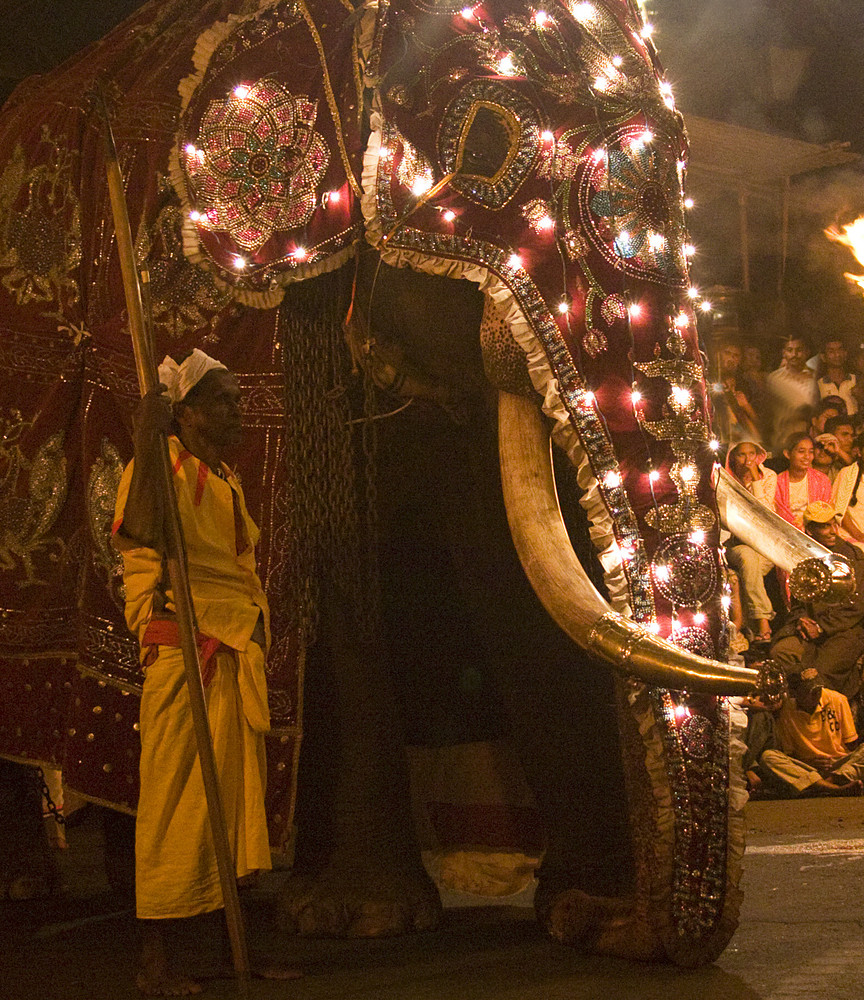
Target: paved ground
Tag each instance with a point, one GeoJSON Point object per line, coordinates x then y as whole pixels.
{"type": "Point", "coordinates": [800, 936]}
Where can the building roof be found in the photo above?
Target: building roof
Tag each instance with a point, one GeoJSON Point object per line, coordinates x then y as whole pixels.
{"type": "Point", "coordinates": [731, 156]}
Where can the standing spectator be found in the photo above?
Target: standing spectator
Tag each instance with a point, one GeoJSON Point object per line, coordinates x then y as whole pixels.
{"type": "Point", "coordinates": [800, 484]}
{"type": "Point", "coordinates": [744, 462]}
{"type": "Point", "coordinates": [792, 388]}
{"type": "Point", "coordinates": [858, 369]}
{"type": "Point", "coordinates": [752, 365]}
{"type": "Point", "coordinates": [836, 379]}
{"type": "Point", "coordinates": [732, 395]}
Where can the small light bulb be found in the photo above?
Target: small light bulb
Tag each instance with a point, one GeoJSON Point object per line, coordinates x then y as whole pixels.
{"type": "Point", "coordinates": [241, 91]}
{"type": "Point", "coordinates": [599, 155]}
{"type": "Point", "coordinates": [689, 250]}
{"type": "Point", "coordinates": [706, 306]}
{"type": "Point", "coordinates": [682, 320]}
{"type": "Point", "coordinates": [384, 153]}
{"type": "Point", "coordinates": [582, 11]}
{"type": "Point", "coordinates": [240, 263]}
{"type": "Point", "coordinates": [661, 571]}
{"type": "Point", "coordinates": [647, 30]}
{"type": "Point", "coordinates": [514, 261]}
{"type": "Point", "coordinates": [635, 310]}
{"type": "Point", "coordinates": [714, 444]}
{"type": "Point", "coordinates": [301, 253]}
{"type": "Point", "coordinates": [617, 62]}
{"type": "Point", "coordinates": [195, 216]}
{"type": "Point", "coordinates": [697, 536]}
{"type": "Point", "coordinates": [687, 473]}
{"type": "Point", "coordinates": [334, 197]}
{"type": "Point", "coordinates": [689, 203]}
{"type": "Point", "coordinates": [612, 480]}
{"type": "Point", "coordinates": [467, 13]}
{"type": "Point", "coordinates": [449, 215]}
{"type": "Point", "coordinates": [653, 476]}
{"type": "Point", "coordinates": [506, 65]}
{"type": "Point", "coordinates": [636, 396]}
{"type": "Point", "coordinates": [653, 627]}
{"type": "Point", "coordinates": [563, 307]}
{"type": "Point", "coordinates": [681, 395]}
{"type": "Point", "coordinates": [726, 601]}
{"type": "Point", "coordinates": [692, 292]}
{"type": "Point", "coordinates": [656, 241]}
{"type": "Point", "coordinates": [421, 185]}
{"type": "Point", "coordinates": [647, 136]}
{"type": "Point", "coordinates": [547, 222]}
{"type": "Point", "coordinates": [601, 83]}
{"type": "Point", "coordinates": [589, 398]}
{"type": "Point", "coordinates": [699, 618]}
{"type": "Point", "coordinates": [547, 136]}
{"type": "Point", "coordinates": [540, 18]}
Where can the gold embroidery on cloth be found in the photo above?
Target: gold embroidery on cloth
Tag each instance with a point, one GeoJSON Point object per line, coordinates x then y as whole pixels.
{"type": "Point", "coordinates": [40, 241]}
{"type": "Point", "coordinates": [26, 520]}
{"type": "Point", "coordinates": [102, 486]}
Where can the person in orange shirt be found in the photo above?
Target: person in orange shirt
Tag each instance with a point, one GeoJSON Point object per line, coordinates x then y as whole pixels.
{"type": "Point", "coordinates": [176, 869]}
{"type": "Point", "coordinates": [816, 731]}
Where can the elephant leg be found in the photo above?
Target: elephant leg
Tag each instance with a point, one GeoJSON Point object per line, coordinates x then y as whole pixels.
{"type": "Point", "coordinates": [27, 866]}
{"type": "Point", "coordinates": [358, 870]}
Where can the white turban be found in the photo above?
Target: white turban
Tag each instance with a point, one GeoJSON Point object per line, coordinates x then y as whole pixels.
{"type": "Point", "coordinates": [181, 378]}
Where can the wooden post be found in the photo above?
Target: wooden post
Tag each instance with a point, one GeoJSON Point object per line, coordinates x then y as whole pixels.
{"type": "Point", "coordinates": [148, 379]}
{"type": "Point", "coordinates": [745, 238]}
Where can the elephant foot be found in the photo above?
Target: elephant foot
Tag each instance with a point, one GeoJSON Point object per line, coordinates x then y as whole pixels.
{"type": "Point", "coordinates": [598, 924]}
{"type": "Point", "coordinates": [355, 905]}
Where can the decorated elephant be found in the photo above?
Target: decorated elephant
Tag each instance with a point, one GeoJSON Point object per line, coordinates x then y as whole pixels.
{"type": "Point", "coordinates": [420, 233]}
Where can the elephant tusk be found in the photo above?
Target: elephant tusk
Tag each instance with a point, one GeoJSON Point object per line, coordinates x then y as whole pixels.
{"type": "Point", "coordinates": [560, 581]}
{"type": "Point", "coordinates": [815, 573]}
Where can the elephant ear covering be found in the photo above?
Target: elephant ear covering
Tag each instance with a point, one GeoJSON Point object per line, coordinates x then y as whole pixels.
{"type": "Point", "coordinates": [256, 106]}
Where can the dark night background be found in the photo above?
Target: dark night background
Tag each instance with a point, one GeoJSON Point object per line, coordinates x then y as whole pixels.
{"type": "Point", "coordinates": [791, 67]}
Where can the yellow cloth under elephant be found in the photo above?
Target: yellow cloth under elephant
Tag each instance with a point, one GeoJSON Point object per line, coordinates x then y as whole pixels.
{"type": "Point", "coordinates": [176, 871]}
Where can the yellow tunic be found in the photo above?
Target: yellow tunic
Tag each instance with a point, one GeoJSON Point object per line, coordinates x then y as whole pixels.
{"type": "Point", "coordinates": [175, 862]}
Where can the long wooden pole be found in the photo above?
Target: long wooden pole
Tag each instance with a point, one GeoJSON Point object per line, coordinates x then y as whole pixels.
{"type": "Point", "coordinates": [148, 380]}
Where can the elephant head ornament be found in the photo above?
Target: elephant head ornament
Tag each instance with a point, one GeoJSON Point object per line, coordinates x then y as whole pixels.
{"type": "Point", "coordinates": [534, 151]}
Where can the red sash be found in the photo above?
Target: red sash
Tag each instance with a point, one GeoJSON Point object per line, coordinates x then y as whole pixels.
{"type": "Point", "coordinates": [165, 632]}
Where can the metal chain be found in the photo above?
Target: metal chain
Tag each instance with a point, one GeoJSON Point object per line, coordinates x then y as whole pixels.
{"type": "Point", "coordinates": [322, 513]}
{"type": "Point", "coordinates": [58, 817]}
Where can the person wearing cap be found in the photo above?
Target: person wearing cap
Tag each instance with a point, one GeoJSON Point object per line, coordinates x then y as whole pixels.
{"type": "Point", "coordinates": [198, 406]}
{"type": "Point", "coordinates": [816, 732]}
{"type": "Point", "coordinates": [826, 637]}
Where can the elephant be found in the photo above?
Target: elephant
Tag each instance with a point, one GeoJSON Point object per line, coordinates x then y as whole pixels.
{"type": "Point", "coordinates": [425, 236]}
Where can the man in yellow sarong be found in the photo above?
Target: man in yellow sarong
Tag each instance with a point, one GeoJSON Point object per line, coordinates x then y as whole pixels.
{"type": "Point", "coordinates": [176, 870]}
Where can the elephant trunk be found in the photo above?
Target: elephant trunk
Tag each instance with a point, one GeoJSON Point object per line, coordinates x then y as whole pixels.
{"type": "Point", "coordinates": [563, 586]}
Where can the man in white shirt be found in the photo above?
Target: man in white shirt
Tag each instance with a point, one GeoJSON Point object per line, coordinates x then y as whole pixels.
{"type": "Point", "coordinates": [793, 391]}
{"type": "Point", "coordinates": [836, 379]}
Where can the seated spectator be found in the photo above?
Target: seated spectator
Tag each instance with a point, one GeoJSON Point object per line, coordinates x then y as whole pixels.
{"type": "Point", "coordinates": [858, 369]}
{"type": "Point", "coordinates": [816, 733]}
{"type": "Point", "coordinates": [848, 497]}
{"type": "Point", "coordinates": [843, 428]}
{"type": "Point", "coordinates": [836, 379]}
{"type": "Point", "coordinates": [800, 484]}
{"type": "Point", "coordinates": [826, 637]}
{"type": "Point", "coordinates": [732, 395]}
{"type": "Point", "coordinates": [792, 388]}
{"type": "Point", "coordinates": [825, 449]}
{"type": "Point", "coordinates": [744, 462]}
{"type": "Point", "coordinates": [826, 409]}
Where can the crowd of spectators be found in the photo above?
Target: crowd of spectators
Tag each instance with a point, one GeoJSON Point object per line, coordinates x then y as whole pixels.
{"type": "Point", "coordinates": [794, 437]}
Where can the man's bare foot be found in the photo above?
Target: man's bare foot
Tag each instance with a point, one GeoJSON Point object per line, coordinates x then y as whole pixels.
{"type": "Point", "coordinates": [156, 978]}
{"type": "Point", "coordinates": [825, 787]}
{"type": "Point", "coordinates": [165, 984]}
{"type": "Point", "coordinates": [754, 782]}
{"type": "Point", "coordinates": [275, 971]}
